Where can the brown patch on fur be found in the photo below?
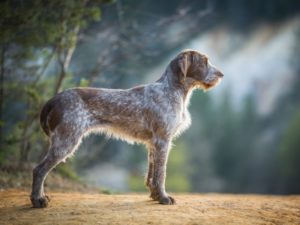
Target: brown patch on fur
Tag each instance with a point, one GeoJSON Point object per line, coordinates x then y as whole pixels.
{"type": "Point", "coordinates": [138, 89]}
{"type": "Point", "coordinates": [198, 67]}
{"type": "Point", "coordinates": [50, 115]}
{"type": "Point", "coordinates": [86, 94]}
{"type": "Point", "coordinates": [189, 64]}
{"type": "Point", "coordinates": [64, 130]}
{"type": "Point", "coordinates": [178, 75]}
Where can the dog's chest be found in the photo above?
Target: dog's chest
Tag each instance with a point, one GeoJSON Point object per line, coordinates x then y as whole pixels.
{"type": "Point", "coordinates": [183, 122]}
{"type": "Point", "coordinates": [178, 118]}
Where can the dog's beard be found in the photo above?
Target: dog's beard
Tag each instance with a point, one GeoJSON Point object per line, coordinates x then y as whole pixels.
{"type": "Point", "coordinates": [206, 86]}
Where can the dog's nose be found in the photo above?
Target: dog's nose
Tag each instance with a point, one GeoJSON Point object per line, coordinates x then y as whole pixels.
{"type": "Point", "coordinates": [219, 74]}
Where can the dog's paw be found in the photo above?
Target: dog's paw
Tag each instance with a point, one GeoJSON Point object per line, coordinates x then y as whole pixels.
{"type": "Point", "coordinates": [41, 202]}
{"type": "Point", "coordinates": [167, 200]}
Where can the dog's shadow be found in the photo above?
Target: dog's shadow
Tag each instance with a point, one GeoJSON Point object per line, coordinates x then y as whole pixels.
{"type": "Point", "coordinates": [76, 210]}
{"type": "Point", "coordinates": [18, 214]}
{"type": "Point", "coordinates": [25, 208]}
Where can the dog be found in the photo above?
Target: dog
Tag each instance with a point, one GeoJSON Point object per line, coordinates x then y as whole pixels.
{"type": "Point", "coordinates": [152, 114]}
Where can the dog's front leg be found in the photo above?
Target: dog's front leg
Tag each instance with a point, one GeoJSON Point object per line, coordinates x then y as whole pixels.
{"type": "Point", "coordinates": [160, 158]}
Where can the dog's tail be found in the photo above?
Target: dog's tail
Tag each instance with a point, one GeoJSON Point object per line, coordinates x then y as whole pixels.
{"type": "Point", "coordinates": [44, 115]}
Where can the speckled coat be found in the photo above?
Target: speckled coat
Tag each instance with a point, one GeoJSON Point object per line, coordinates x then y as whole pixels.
{"type": "Point", "coordinates": [151, 114]}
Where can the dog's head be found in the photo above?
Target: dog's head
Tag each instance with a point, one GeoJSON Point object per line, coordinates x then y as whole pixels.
{"type": "Point", "coordinates": [195, 69]}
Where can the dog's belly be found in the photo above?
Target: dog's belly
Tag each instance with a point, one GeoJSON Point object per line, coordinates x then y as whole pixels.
{"type": "Point", "coordinates": [123, 130]}
{"type": "Point", "coordinates": [130, 135]}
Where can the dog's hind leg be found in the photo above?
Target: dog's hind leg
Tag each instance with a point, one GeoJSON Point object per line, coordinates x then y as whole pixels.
{"type": "Point", "coordinates": [149, 175]}
{"type": "Point", "coordinates": [60, 149]}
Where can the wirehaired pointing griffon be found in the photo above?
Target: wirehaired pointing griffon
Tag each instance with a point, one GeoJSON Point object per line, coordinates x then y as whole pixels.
{"type": "Point", "coordinates": [151, 114]}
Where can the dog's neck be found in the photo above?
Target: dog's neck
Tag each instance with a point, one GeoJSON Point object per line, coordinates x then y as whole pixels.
{"type": "Point", "coordinates": [170, 80]}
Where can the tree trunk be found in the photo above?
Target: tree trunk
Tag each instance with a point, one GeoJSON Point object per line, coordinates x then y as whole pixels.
{"type": "Point", "coordinates": [64, 59]}
{"type": "Point", "coordinates": [24, 147]}
{"type": "Point", "coordinates": [2, 71]}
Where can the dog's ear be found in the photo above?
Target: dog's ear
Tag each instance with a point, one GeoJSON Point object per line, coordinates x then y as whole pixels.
{"type": "Point", "coordinates": [180, 66]}
{"type": "Point", "coordinates": [184, 62]}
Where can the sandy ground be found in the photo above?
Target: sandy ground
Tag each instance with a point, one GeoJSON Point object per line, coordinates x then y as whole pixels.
{"type": "Point", "coordinates": [78, 208]}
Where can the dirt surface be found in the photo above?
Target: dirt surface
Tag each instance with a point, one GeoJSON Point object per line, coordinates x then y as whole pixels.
{"type": "Point", "coordinates": [78, 208]}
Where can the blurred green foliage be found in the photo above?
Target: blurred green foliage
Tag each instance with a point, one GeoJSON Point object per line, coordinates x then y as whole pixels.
{"type": "Point", "coordinates": [289, 156]}
{"type": "Point", "coordinates": [136, 183]}
{"type": "Point", "coordinates": [178, 169]}
{"type": "Point", "coordinates": [34, 36]}
{"type": "Point", "coordinates": [66, 170]}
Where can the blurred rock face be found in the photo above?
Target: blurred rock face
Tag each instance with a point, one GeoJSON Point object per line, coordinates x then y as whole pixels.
{"type": "Point", "coordinates": [257, 63]}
